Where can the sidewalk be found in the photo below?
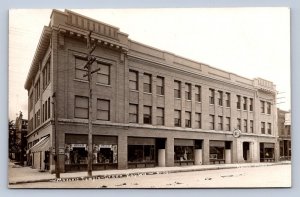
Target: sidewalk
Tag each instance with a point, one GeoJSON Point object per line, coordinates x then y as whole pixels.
{"type": "Point", "coordinates": [18, 174]}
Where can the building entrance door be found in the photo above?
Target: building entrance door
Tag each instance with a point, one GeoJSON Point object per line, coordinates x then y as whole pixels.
{"type": "Point", "coordinates": [246, 151]}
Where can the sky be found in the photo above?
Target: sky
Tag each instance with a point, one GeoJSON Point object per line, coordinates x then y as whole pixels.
{"type": "Point", "coordinates": [251, 42]}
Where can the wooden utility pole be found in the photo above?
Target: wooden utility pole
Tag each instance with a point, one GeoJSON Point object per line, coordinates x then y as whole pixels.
{"type": "Point", "coordinates": [56, 157]}
{"type": "Point", "coordinates": [88, 66]}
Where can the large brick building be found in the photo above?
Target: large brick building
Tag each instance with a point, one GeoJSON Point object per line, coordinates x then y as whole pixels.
{"type": "Point", "coordinates": [151, 107]}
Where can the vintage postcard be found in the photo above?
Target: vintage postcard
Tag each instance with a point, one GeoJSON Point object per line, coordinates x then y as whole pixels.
{"type": "Point", "coordinates": [149, 98]}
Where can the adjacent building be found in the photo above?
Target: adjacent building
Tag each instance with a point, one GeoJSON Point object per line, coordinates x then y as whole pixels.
{"type": "Point", "coordinates": [284, 134]}
{"type": "Point", "coordinates": [150, 107]}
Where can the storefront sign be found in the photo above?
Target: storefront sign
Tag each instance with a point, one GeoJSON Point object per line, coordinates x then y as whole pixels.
{"type": "Point", "coordinates": [105, 146]}
{"type": "Point", "coordinates": [61, 151]}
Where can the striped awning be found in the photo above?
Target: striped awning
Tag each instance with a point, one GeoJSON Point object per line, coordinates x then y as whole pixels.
{"type": "Point", "coordinates": [42, 145]}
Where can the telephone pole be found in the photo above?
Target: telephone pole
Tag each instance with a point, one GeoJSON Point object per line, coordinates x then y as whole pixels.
{"type": "Point", "coordinates": [88, 66]}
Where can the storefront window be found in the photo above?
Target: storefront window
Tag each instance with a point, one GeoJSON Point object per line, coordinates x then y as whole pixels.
{"type": "Point", "coordinates": [269, 153]}
{"type": "Point", "coordinates": [141, 153]}
{"type": "Point", "coordinates": [183, 153]}
{"type": "Point", "coordinates": [76, 154]}
{"type": "Point", "coordinates": [216, 153]}
{"type": "Point", "coordinates": [105, 154]}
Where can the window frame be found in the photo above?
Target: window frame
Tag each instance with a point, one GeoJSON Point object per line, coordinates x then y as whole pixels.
{"type": "Point", "coordinates": [99, 110]}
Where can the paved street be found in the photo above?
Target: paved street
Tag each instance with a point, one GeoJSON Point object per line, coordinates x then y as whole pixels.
{"type": "Point", "coordinates": [264, 176]}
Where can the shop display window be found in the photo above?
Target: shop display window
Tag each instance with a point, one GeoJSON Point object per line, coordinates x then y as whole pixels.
{"type": "Point", "coordinates": [141, 153]}
{"type": "Point", "coordinates": [76, 154]}
{"type": "Point", "coordinates": [216, 153]}
{"type": "Point", "coordinates": [183, 153]}
{"type": "Point", "coordinates": [105, 154]}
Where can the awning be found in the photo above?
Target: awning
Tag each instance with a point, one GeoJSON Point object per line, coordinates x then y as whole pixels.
{"type": "Point", "coordinates": [42, 145]}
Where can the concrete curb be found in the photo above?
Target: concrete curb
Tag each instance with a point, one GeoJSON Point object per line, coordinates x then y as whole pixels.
{"type": "Point", "coordinates": [132, 174]}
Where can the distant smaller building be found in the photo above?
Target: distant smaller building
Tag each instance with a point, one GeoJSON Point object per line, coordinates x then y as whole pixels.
{"type": "Point", "coordinates": [284, 134]}
{"type": "Point", "coordinates": [18, 142]}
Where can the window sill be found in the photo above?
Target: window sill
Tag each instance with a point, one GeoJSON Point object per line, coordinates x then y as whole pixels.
{"type": "Point", "coordinates": [131, 90]}
{"type": "Point", "coordinates": [101, 84]}
{"type": "Point", "coordinates": [80, 80]}
{"type": "Point", "coordinates": [149, 93]}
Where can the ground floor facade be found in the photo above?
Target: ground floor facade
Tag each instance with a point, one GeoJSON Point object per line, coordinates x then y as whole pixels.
{"type": "Point", "coordinates": [120, 147]}
{"type": "Point", "coordinates": [285, 148]}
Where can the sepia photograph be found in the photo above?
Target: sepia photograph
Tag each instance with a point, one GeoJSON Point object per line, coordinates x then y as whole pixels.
{"type": "Point", "coordinates": [149, 98]}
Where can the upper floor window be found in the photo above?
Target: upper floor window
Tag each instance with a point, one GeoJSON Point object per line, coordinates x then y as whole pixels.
{"type": "Point", "coordinates": [220, 123]}
{"type": "Point", "coordinates": [220, 99]}
{"type": "Point", "coordinates": [30, 102]}
{"type": "Point", "coordinates": [262, 106]}
{"type": "Point", "coordinates": [269, 128]}
{"type": "Point", "coordinates": [227, 124]}
{"type": "Point", "coordinates": [46, 75]}
{"type": "Point", "coordinates": [103, 109]}
{"type": "Point", "coordinates": [263, 127]}
{"type": "Point", "coordinates": [198, 120]}
{"type": "Point", "coordinates": [227, 99]}
{"type": "Point", "coordinates": [211, 96]}
{"type": "Point", "coordinates": [147, 115]}
{"type": "Point", "coordinates": [188, 91]}
{"type": "Point", "coordinates": [188, 119]}
{"type": "Point", "coordinates": [177, 89]}
{"type": "Point", "coordinates": [81, 107]}
{"type": "Point", "coordinates": [211, 122]}
{"type": "Point", "coordinates": [103, 74]}
{"type": "Point", "coordinates": [251, 126]}
{"type": "Point", "coordinates": [160, 86]}
{"type": "Point", "coordinates": [251, 104]}
{"type": "Point", "coordinates": [177, 118]}
{"type": "Point", "coordinates": [147, 83]}
{"type": "Point", "coordinates": [238, 124]}
{"type": "Point", "coordinates": [37, 90]}
{"type": "Point", "coordinates": [160, 120]}
{"type": "Point", "coordinates": [80, 71]}
{"type": "Point", "coordinates": [198, 93]}
{"type": "Point", "coordinates": [268, 108]}
{"type": "Point", "coordinates": [245, 103]}
{"type": "Point", "coordinates": [238, 103]}
{"type": "Point", "coordinates": [245, 125]}
{"type": "Point", "coordinates": [133, 113]}
{"type": "Point", "coordinates": [133, 80]}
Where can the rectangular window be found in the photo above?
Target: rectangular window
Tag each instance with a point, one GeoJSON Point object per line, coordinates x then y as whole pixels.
{"type": "Point", "coordinates": [245, 126]}
{"type": "Point", "coordinates": [251, 126]}
{"type": "Point", "coordinates": [45, 112]}
{"type": "Point", "coordinates": [46, 74]}
{"type": "Point", "coordinates": [244, 103]}
{"type": "Point", "coordinates": [220, 123]}
{"type": "Point", "coordinates": [160, 117]}
{"type": "Point", "coordinates": [81, 107]}
{"type": "Point", "coordinates": [198, 120]}
{"type": "Point", "coordinates": [238, 124]}
{"type": "Point", "coordinates": [177, 89]}
{"type": "Point", "coordinates": [177, 118]}
{"type": "Point", "coordinates": [220, 99]}
{"type": "Point", "coordinates": [103, 75]}
{"type": "Point", "coordinates": [133, 80]}
{"type": "Point", "coordinates": [147, 83]}
{"type": "Point", "coordinates": [268, 108]}
{"type": "Point", "coordinates": [133, 113]}
{"type": "Point", "coordinates": [103, 109]}
{"type": "Point", "coordinates": [160, 86]}
{"type": "Point", "coordinates": [80, 71]}
{"type": "Point", "coordinates": [251, 104]}
{"type": "Point", "coordinates": [269, 128]}
{"type": "Point", "coordinates": [227, 99]}
{"type": "Point", "coordinates": [37, 90]}
{"type": "Point", "coordinates": [48, 107]}
{"type": "Point", "coordinates": [198, 93]}
{"type": "Point", "coordinates": [211, 122]}
{"type": "Point", "coordinates": [238, 103]}
{"type": "Point", "coordinates": [188, 91]}
{"type": "Point", "coordinates": [262, 106]}
{"type": "Point", "coordinates": [227, 124]}
{"type": "Point", "coordinates": [188, 119]}
{"type": "Point", "coordinates": [211, 96]}
{"type": "Point", "coordinates": [263, 127]}
{"type": "Point", "coordinates": [147, 115]}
